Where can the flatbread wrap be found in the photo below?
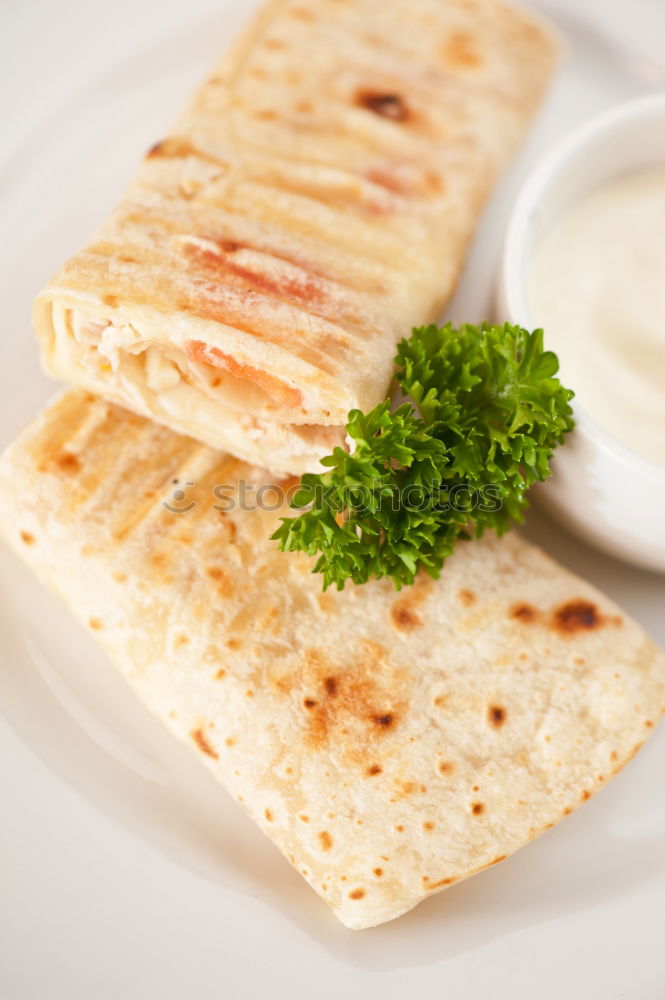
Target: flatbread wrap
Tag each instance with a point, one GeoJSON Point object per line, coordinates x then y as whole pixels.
{"type": "Point", "coordinates": [390, 744]}
{"type": "Point", "coordinates": [312, 205]}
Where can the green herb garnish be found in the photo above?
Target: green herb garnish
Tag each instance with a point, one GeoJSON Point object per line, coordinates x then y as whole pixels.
{"type": "Point", "coordinates": [488, 414]}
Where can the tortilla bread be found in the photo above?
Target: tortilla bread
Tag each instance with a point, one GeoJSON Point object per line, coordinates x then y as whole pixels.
{"type": "Point", "coordinates": [390, 744]}
{"type": "Point", "coordinates": [311, 206]}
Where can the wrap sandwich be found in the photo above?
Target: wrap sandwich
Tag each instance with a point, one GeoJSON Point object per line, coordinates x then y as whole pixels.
{"type": "Point", "coordinates": [390, 744]}
{"type": "Point", "coordinates": [313, 203]}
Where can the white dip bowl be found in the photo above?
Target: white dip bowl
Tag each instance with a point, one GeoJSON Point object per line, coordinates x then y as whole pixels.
{"type": "Point", "coordinates": [600, 489]}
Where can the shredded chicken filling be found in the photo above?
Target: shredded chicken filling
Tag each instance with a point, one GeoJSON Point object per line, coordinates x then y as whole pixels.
{"type": "Point", "coordinates": [192, 394]}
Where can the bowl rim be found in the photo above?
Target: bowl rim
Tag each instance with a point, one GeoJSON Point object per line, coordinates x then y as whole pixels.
{"type": "Point", "coordinates": [544, 175]}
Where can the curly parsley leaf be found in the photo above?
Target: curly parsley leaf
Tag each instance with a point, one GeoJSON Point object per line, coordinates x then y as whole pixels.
{"type": "Point", "coordinates": [486, 415]}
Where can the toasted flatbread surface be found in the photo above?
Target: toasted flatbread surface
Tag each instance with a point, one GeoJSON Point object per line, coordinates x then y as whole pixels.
{"type": "Point", "coordinates": [312, 204]}
{"type": "Point", "coordinates": [390, 744]}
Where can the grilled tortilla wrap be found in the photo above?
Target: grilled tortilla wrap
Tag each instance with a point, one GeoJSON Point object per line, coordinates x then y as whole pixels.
{"type": "Point", "coordinates": [390, 744]}
{"type": "Point", "coordinates": [311, 206]}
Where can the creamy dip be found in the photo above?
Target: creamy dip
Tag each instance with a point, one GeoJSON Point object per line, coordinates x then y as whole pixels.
{"type": "Point", "coordinates": [598, 289]}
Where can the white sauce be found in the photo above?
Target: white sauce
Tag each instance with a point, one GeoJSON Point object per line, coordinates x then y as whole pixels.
{"type": "Point", "coordinates": [598, 290]}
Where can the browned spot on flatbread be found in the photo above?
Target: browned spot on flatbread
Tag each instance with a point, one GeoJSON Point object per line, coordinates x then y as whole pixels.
{"type": "Point", "coordinates": [222, 581]}
{"type": "Point", "coordinates": [302, 14]}
{"type": "Point", "coordinates": [374, 769]}
{"type": "Point", "coordinates": [523, 612]}
{"type": "Point", "coordinates": [404, 611]}
{"type": "Point", "coordinates": [446, 767]}
{"type": "Point", "coordinates": [575, 616]}
{"type": "Point", "coordinates": [496, 715]}
{"type": "Point", "coordinates": [460, 52]}
{"type": "Point", "coordinates": [268, 815]}
{"type": "Point", "coordinates": [67, 461]}
{"type": "Point", "coordinates": [330, 686]}
{"type": "Point", "coordinates": [428, 826]}
{"type": "Point", "coordinates": [478, 808]}
{"type": "Point", "coordinates": [221, 674]}
{"type": "Point", "coordinates": [385, 104]}
{"type": "Point", "coordinates": [488, 864]}
{"type": "Point", "coordinates": [325, 840]}
{"type": "Point", "coordinates": [27, 538]}
{"type": "Point", "coordinates": [354, 703]}
{"type": "Point", "coordinates": [580, 615]}
{"type": "Point", "coordinates": [439, 884]}
{"type": "Point", "coordinates": [586, 795]}
{"type": "Point", "coordinates": [467, 597]}
{"type": "Point", "coordinates": [201, 740]}
{"type": "Point", "coordinates": [378, 872]}
{"type": "Point", "coordinates": [357, 894]}
{"type": "Point", "coordinates": [404, 618]}
{"type": "Point", "coordinates": [181, 640]}
{"type": "Point", "coordinates": [95, 623]}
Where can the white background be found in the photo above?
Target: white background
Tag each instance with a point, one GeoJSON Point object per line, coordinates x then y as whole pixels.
{"type": "Point", "coordinates": [88, 906]}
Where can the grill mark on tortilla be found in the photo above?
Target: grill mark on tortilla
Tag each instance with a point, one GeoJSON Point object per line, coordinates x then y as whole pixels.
{"type": "Point", "coordinates": [427, 184]}
{"type": "Point", "coordinates": [353, 193]}
{"type": "Point", "coordinates": [404, 618]}
{"type": "Point", "coordinates": [200, 222]}
{"type": "Point", "coordinates": [223, 584]}
{"type": "Point", "coordinates": [496, 715]}
{"type": "Point", "coordinates": [403, 611]}
{"type": "Point", "coordinates": [201, 741]}
{"type": "Point", "coordinates": [524, 612]}
{"type": "Point", "coordinates": [321, 343]}
{"type": "Point", "coordinates": [305, 290]}
{"type": "Point", "coordinates": [429, 886]}
{"type": "Point", "coordinates": [326, 840]}
{"type": "Point", "coordinates": [214, 220]}
{"type": "Point", "coordinates": [460, 52]}
{"type": "Point", "coordinates": [387, 105]}
{"type": "Point", "coordinates": [177, 147]}
{"type": "Point", "coordinates": [580, 615]}
{"type": "Point", "coordinates": [348, 704]}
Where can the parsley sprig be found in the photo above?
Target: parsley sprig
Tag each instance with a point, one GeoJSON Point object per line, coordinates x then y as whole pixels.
{"type": "Point", "coordinates": [486, 415]}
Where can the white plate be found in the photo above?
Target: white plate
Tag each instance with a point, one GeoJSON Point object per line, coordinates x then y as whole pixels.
{"type": "Point", "coordinates": [93, 909]}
